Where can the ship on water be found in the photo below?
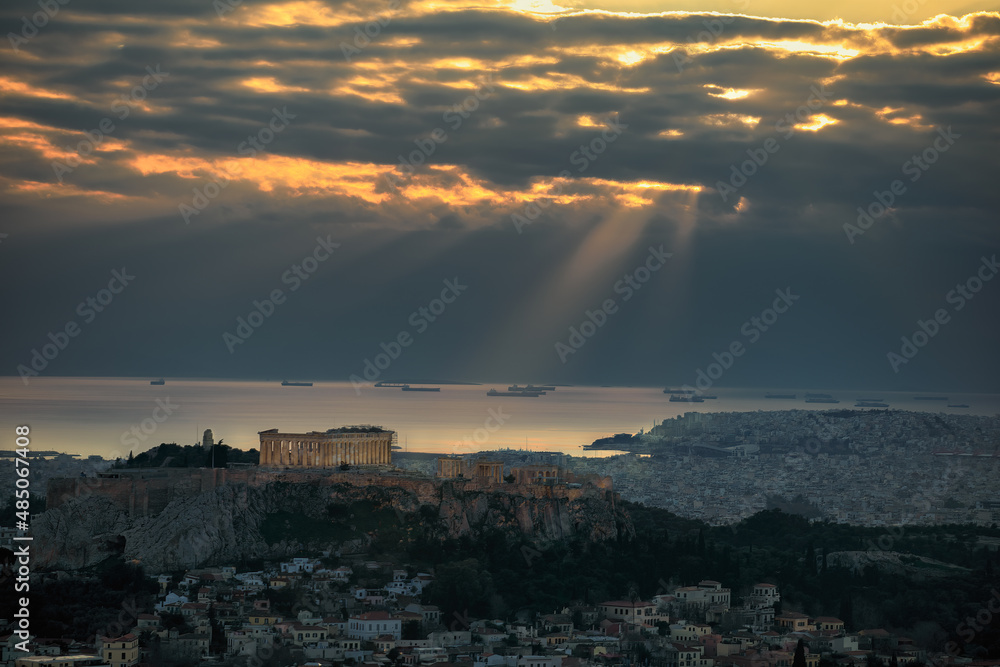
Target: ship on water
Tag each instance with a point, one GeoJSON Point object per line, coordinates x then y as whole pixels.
{"type": "Point", "coordinates": [687, 399]}
{"type": "Point", "coordinates": [514, 394]}
{"type": "Point", "coordinates": [407, 387]}
{"type": "Point", "coordinates": [787, 396]}
{"type": "Point", "coordinates": [158, 382]}
{"type": "Point", "coordinates": [390, 384]}
{"type": "Point", "coordinates": [540, 389]}
{"type": "Point", "coordinates": [870, 404]}
{"type": "Point", "coordinates": [286, 383]}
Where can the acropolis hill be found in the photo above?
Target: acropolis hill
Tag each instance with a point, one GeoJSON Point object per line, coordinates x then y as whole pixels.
{"type": "Point", "coordinates": [184, 517]}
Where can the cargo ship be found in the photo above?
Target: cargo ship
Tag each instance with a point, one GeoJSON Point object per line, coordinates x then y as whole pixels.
{"type": "Point", "coordinates": [286, 383]}
{"type": "Point", "coordinates": [687, 399]}
{"type": "Point", "coordinates": [158, 382]}
{"type": "Point", "coordinates": [871, 404]}
{"type": "Point", "coordinates": [515, 394]}
{"type": "Point", "coordinates": [531, 387]}
{"type": "Point", "coordinates": [787, 396]}
{"type": "Point", "coordinates": [407, 387]}
{"type": "Point", "coordinates": [390, 384]}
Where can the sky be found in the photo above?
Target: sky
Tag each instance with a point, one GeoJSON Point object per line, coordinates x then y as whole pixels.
{"type": "Point", "coordinates": [772, 194]}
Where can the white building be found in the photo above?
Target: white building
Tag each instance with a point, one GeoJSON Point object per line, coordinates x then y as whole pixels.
{"type": "Point", "coordinates": [451, 638]}
{"type": "Point", "coordinates": [300, 565]}
{"type": "Point", "coordinates": [635, 613]}
{"type": "Point", "coordinates": [540, 661]}
{"type": "Point", "coordinates": [370, 625]}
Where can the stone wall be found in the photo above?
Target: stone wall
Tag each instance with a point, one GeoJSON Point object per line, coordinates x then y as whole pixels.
{"type": "Point", "coordinates": [144, 492]}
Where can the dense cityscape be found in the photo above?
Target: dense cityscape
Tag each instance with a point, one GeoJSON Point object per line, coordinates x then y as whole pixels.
{"type": "Point", "coordinates": [871, 468]}
{"type": "Point", "coordinates": [367, 578]}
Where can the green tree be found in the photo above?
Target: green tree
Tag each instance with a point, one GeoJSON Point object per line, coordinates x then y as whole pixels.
{"type": "Point", "coordinates": [411, 630]}
{"type": "Point", "coordinates": [800, 655]}
{"type": "Point", "coordinates": [463, 588]}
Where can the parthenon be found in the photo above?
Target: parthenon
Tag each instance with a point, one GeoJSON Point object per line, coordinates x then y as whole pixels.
{"type": "Point", "coordinates": [351, 445]}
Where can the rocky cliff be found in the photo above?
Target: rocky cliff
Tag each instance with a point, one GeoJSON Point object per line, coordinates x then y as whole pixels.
{"type": "Point", "coordinates": [283, 515]}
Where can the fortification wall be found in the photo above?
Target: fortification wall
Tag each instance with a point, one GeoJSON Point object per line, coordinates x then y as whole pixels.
{"type": "Point", "coordinates": [147, 492]}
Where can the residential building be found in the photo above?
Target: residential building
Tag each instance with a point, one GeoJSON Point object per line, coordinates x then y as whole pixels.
{"type": "Point", "coordinates": [120, 651]}
{"type": "Point", "coordinates": [372, 624]}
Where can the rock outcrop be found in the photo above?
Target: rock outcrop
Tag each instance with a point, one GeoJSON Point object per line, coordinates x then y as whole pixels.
{"type": "Point", "coordinates": [281, 515]}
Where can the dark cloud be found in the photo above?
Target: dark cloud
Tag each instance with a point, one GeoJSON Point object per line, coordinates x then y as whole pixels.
{"type": "Point", "coordinates": [556, 87]}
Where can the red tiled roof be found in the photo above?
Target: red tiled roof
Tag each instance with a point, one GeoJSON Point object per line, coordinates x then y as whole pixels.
{"type": "Point", "coordinates": [373, 616]}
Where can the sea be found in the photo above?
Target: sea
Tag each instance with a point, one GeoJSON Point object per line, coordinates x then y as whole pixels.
{"type": "Point", "coordinates": [109, 417]}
